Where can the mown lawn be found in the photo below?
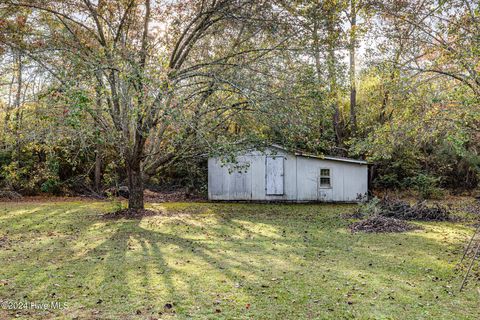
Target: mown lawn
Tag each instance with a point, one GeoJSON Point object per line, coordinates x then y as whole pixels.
{"type": "Point", "coordinates": [226, 261]}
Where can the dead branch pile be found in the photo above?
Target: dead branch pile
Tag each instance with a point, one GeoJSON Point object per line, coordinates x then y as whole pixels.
{"type": "Point", "coordinates": [472, 207]}
{"type": "Point", "coordinates": [378, 223]}
{"type": "Point", "coordinates": [9, 195]}
{"type": "Point", "coordinates": [420, 211]}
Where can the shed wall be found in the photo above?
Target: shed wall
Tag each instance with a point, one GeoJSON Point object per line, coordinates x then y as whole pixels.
{"type": "Point", "coordinates": [348, 180]}
{"type": "Point", "coordinates": [301, 179]}
{"type": "Point", "coordinates": [225, 182]}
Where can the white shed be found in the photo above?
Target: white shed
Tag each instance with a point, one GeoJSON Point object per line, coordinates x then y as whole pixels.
{"type": "Point", "coordinates": [276, 174]}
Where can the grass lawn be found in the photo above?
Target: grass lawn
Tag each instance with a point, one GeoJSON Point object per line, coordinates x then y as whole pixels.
{"type": "Point", "coordinates": [226, 261]}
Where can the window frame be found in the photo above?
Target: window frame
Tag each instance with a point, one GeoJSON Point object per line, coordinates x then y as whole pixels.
{"type": "Point", "coordinates": [320, 176]}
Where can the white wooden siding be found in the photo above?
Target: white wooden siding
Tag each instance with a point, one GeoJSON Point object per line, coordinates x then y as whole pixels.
{"type": "Point", "coordinates": [241, 182]}
{"type": "Point", "coordinates": [278, 175]}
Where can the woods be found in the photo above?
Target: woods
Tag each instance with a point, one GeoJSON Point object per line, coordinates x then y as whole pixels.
{"type": "Point", "coordinates": [101, 94]}
{"type": "Point", "coordinates": [239, 159]}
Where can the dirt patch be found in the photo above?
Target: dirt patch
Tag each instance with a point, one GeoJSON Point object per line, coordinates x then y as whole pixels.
{"type": "Point", "coordinates": [353, 215]}
{"type": "Point", "coordinates": [149, 197]}
{"type": "Point", "coordinates": [380, 223]}
{"type": "Point", "coordinates": [131, 214]}
{"type": "Point", "coordinates": [171, 196]}
{"type": "Point", "coordinates": [50, 198]}
{"type": "Point", "coordinates": [4, 242]}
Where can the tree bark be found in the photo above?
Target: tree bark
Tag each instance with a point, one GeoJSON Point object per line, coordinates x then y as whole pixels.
{"type": "Point", "coordinates": [316, 52]}
{"type": "Point", "coordinates": [98, 170]}
{"type": "Point", "coordinates": [18, 102]}
{"type": "Point", "coordinates": [9, 103]}
{"type": "Point", "coordinates": [98, 111]}
{"type": "Point", "coordinates": [353, 87]}
{"type": "Point", "coordinates": [135, 186]}
{"type": "Point", "coordinates": [332, 36]}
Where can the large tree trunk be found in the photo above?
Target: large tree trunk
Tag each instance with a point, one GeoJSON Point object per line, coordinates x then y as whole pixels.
{"type": "Point", "coordinates": [135, 185]}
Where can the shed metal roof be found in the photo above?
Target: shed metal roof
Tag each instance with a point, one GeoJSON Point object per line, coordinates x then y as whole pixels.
{"type": "Point", "coordinates": [323, 157]}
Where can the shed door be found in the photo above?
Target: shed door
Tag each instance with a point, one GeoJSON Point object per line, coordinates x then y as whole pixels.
{"type": "Point", "coordinates": [274, 176]}
{"type": "Point", "coordinates": [325, 185]}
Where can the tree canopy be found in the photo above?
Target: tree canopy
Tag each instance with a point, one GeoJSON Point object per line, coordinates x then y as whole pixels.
{"type": "Point", "coordinates": [100, 93]}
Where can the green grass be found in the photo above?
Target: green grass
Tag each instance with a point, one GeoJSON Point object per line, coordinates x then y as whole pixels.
{"type": "Point", "coordinates": [230, 261]}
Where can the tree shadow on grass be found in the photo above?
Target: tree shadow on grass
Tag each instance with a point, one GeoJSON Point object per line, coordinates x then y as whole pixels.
{"type": "Point", "coordinates": [417, 266]}
{"type": "Point", "coordinates": [121, 268]}
{"type": "Point", "coordinates": [108, 264]}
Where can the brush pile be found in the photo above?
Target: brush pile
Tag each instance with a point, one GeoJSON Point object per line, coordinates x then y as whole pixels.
{"type": "Point", "coordinates": [420, 211]}
{"type": "Point", "coordinates": [389, 215]}
{"type": "Point", "coordinates": [379, 223]}
{"type": "Point", "coordinates": [10, 195]}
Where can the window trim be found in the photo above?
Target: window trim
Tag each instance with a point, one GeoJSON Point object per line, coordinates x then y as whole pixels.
{"type": "Point", "coordinates": [320, 176]}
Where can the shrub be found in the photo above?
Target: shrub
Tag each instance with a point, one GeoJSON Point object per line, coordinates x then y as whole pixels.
{"type": "Point", "coordinates": [369, 207]}
{"type": "Point", "coordinates": [426, 186]}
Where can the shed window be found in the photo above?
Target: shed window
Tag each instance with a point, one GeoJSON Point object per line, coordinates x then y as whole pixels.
{"type": "Point", "coordinates": [325, 181]}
